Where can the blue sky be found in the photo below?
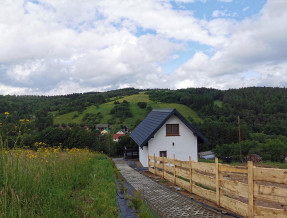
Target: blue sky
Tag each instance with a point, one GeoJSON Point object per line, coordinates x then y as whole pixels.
{"type": "Point", "coordinates": [237, 9]}
{"type": "Point", "coordinates": [55, 47]}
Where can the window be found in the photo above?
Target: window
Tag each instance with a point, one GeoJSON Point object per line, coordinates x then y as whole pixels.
{"type": "Point", "coordinates": [172, 129]}
{"type": "Point", "coordinates": [162, 154]}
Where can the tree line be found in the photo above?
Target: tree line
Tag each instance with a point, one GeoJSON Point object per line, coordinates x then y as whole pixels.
{"type": "Point", "coordinates": [262, 110]}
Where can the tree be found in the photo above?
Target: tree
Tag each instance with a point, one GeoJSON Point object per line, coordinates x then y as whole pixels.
{"type": "Point", "coordinates": [142, 104]}
{"type": "Point", "coordinates": [43, 119]}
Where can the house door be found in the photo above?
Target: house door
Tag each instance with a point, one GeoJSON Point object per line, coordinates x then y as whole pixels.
{"type": "Point", "coordinates": [162, 154]}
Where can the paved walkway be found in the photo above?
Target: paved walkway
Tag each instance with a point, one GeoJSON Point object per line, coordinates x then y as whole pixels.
{"type": "Point", "coordinates": [166, 202]}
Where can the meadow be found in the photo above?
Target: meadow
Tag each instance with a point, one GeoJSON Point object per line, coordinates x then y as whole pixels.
{"type": "Point", "coordinates": [138, 113]}
{"type": "Point", "coordinates": [48, 182]}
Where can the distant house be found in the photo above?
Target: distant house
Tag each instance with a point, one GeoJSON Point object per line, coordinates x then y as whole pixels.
{"type": "Point", "coordinates": [206, 155]}
{"type": "Point", "coordinates": [120, 132]}
{"type": "Point", "coordinates": [85, 127]}
{"type": "Point", "coordinates": [65, 127]}
{"type": "Point", "coordinates": [102, 126]}
{"type": "Point", "coordinates": [165, 132]}
{"type": "Point", "coordinates": [117, 136]}
{"type": "Point", "coordinates": [125, 129]}
{"type": "Point", "coordinates": [105, 131]}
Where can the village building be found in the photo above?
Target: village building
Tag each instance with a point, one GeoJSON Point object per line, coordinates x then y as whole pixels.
{"type": "Point", "coordinates": [102, 126]}
{"type": "Point", "coordinates": [165, 132]}
{"type": "Point", "coordinates": [117, 136]}
{"type": "Point", "coordinates": [125, 129]}
{"type": "Point", "coordinates": [105, 131]}
{"type": "Point", "coordinates": [85, 127]}
{"type": "Point", "coordinates": [121, 132]}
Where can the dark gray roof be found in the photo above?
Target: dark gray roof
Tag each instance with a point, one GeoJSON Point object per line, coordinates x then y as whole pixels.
{"type": "Point", "coordinates": [154, 121]}
{"type": "Point", "coordinates": [102, 125]}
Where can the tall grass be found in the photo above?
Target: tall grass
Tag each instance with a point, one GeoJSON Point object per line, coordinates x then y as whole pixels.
{"type": "Point", "coordinates": [54, 183]}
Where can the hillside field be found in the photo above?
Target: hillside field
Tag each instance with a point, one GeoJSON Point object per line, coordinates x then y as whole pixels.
{"type": "Point", "coordinates": [138, 113]}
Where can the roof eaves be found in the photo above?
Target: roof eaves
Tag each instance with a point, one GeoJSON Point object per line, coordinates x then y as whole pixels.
{"type": "Point", "coordinates": [191, 127]}
{"type": "Point", "coordinates": [171, 112]}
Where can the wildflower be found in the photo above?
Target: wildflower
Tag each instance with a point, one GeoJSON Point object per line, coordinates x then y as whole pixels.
{"type": "Point", "coordinates": [27, 120]}
{"type": "Point", "coordinates": [21, 120]}
{"type": "Point", "coordinates": [0, 123]}
{"type": "Point", "coordinates": [6, 113]}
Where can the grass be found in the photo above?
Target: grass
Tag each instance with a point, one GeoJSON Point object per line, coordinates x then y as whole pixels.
{"type": "Point", "coordinates": [218, 103]}
{"type": "Point", "coordinates": [272, 165]}
{"type": "Point", "coordinates": [265, 164]}
{"type": "Point", "coordinates": [65, 118]}
{"type": "Point", "coordinates": [183, 109]}
{"type": "Point", "coordinates": [54, 183]}
{"type": "Point", "coordinates": [147, 212]}
{"type": "Point", "coordinates": [138, 113]}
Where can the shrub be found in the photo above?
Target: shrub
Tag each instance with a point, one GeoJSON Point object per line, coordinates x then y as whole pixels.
{"type": "Point", "coordinates": [142, 104]}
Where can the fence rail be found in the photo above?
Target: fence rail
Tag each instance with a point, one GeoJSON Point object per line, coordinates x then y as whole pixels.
{"type": "Point", "coordinates": [248, 191]}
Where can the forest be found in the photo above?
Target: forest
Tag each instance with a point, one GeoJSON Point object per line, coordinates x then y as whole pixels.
{"type": "Point", "coordinates": [262, 112]}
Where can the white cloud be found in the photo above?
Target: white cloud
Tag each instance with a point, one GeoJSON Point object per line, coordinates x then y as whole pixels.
{"type": "Point", "coordinates": [11, 90]}
{"type": "Point", "coordinates": [225, 1]}
{"type": "Point", "coordinates": [185, 1]}
{"type": "Point", "coordinates": [245, 9]}
{"type": "Point", "coordinates": [92, 43]}
{"type": "Point", "coordinates": [162, 18]}
{"type": "Point", "coordinates": [43, 46]}
{"type": "Point", "coordinates": [65, 46]}
{"type": "Point", "coordinates": [254, 45]}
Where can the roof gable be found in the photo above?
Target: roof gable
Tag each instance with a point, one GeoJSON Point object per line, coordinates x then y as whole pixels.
{"type": "Point", "coordinates": [154, 121]}
{"type": "Point", "coordinates": [116, 136]}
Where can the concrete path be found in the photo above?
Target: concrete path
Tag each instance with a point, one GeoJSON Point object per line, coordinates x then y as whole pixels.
{"type": "Point", "coordinates": [166, 202]}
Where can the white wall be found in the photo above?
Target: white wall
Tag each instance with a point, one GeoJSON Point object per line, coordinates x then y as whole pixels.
{"type": "Point", "coordinates": [143, 156]}
{"type": "Point", "coordinates": [185, 144]}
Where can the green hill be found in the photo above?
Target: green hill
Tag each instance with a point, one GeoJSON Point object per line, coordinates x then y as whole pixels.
{"type": "Point", "coordinates": [138, 113]}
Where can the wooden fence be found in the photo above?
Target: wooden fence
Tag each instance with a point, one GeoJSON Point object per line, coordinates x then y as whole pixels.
{"type": "Point", "coordinates": [248, 191]}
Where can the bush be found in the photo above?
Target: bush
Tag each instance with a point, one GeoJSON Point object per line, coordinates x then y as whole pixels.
{"type": "Point", "coordinates": [271, 149]}
{"type": "Point", "coordinates": [149, 108]}
{"type": "Point", "coordinates": [121, 111]}
{"type": "Point", "coordinates": [142, 104]}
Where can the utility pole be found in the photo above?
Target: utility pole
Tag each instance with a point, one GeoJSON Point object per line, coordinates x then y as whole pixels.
{"type": "Point", "coordinates": [239, 138]}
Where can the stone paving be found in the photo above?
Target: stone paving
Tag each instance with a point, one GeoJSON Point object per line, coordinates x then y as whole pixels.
{"type": "Point", "coordinates": [166, 202]}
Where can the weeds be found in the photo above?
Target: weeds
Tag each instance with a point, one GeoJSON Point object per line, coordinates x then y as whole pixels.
{"type": "Point", "coordinates": [54, 183]}
{"type": "Point", "coordinates": [137, 201]}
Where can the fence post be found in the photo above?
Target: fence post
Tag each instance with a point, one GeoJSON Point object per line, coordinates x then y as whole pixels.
{"type": "Point", "coordinates": [250, 189]}
{"type": "Point", "coordinates": [154, 164]}
{"type": "Point", "coordinates": [190, 177]}
{"type": "Point", "coordinates": [217, 182]}
{"type": "Point", "coordinates": [174, 180]}
{"type": "Point", "coordinates": [148, 162]}
{"type": "Point", "coordinates": [163, 163]}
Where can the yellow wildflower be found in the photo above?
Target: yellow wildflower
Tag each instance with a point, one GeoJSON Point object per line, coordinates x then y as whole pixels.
{"type": "Point", "coordinates": [21, 120]}
{"type": "Point", "coordinates": [6, 113]}
{"type": "Point", "coordinates": [27, 120]}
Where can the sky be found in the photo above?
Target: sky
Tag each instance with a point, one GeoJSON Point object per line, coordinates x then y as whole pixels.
{"type": "Point", "coordinates": [55, 47]}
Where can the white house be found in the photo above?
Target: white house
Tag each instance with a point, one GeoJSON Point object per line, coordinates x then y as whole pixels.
{"type": "Point", "coordinates": [165, 132]}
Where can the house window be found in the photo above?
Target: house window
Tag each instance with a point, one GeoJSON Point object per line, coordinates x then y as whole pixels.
{"type": "Point", "coordinates": [162, 154]}
{"type": "Point", "coordinates": [172, 129]}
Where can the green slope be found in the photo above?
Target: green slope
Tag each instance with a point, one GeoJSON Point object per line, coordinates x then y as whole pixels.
{"type": "Point", "coordinates": [218, 103]}
{"type": "Point", "coordinates": [138, 113]}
